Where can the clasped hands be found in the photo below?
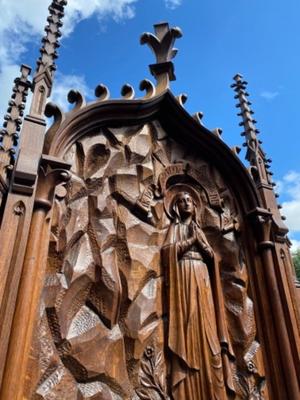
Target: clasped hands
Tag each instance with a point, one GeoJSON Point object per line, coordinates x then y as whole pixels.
{"type": "Point", "coordinates": [204, 246]}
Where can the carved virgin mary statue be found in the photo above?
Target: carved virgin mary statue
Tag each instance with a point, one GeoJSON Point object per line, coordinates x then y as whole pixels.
{"type": "Point", "coordinates": [197, 371]}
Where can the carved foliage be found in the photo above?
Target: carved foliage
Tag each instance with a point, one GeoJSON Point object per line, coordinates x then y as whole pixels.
{"type": "Point", "coordinates": [152, 376]}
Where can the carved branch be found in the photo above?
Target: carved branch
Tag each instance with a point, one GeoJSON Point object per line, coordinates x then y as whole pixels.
{"type": "Point", "coordinates": [151, 375]}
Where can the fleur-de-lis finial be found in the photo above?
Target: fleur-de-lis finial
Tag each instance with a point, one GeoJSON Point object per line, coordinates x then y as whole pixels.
{"type": "Point", "coordinates": [162, 46]}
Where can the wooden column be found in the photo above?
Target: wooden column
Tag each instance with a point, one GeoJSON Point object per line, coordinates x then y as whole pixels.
{"type": "Point", "coordinates": [266, 247]}
{"type": "Point", "coordinates": [16, 222]}
{"type": "Point", "coordinates": [51, 173]}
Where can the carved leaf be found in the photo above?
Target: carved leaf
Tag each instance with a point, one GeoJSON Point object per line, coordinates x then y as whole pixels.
{"type": "Point", "coordinates": [146, 367]}
{"type": "Point", "coordinates": [152, 376]}
{"type": "Point", "coordinates": [146, 383]}
{"type": "Point", "coordinates": [143, 394]}
{"type": "Point", "coordinates": [158, 359]}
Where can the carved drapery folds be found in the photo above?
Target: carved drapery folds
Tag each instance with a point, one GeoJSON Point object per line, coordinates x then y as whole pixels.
{"type": "Point", "coordinates": [106, 308]}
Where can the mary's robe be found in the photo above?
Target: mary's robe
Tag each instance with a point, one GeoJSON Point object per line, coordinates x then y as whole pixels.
{"type": "Point", "coordinates": [196, 364]}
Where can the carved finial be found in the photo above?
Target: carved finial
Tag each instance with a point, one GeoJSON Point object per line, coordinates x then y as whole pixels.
{"type": "Point", "coordinates": [127, 92]}
{"type": "Point", "coordinates": [255, 154]}
{"type": "Point", "coordinates": [259, 163]}
{"type": "Point", "coordinates": [13, 119]}
{"type": "Point", "coordinates": [46, 63]}
{"type": "Point", "coordinates": [148, 87]}
{"type": "Point", "coordinates": [53, 110]}
{"type": "Point", "coordinates": [76, 98]}
{"type": "Point", "coordinates": [198, 116]}
{"type": "Point", "coordinates": [236, 150]}
{"type": "Point", "coordinates": [218, 132]}
{"type": "Point", "coordinates": [162, 46]}
{"type": "Point", "coordinates": [182, 98]}
{"type": "Point", "coordinates": [102, 92]}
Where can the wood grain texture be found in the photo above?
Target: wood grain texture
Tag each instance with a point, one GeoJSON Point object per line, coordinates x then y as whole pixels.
{"type": "Point", "coordinates": [105, 325]}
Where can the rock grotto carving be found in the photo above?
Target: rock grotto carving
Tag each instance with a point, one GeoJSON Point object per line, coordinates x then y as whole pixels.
{"type": "Point", "coordinates": [159, 267]}
{"type": "Point", "coordinates": [145, 253]}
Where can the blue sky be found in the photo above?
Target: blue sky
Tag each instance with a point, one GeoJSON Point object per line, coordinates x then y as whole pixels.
{"type": "Point", "coordinates": [257, 38]}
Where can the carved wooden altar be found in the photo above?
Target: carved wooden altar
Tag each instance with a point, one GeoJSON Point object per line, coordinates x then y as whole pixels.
{"type": "Point", "coordinates": [140, 259]}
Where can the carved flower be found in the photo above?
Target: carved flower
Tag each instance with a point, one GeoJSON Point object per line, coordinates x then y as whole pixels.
{"type": "Point", "coordinates": [251, 367]}
{"type": "Point", "coordinates": [19, 209]}
{"type": "Point", "coordinates": [152, 376]}
{"type": "Point", "coordinates": [149, 352]}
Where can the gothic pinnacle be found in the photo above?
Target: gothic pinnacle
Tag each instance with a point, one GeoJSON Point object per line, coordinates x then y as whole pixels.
{"type": "Point", "coordinates": [12, 121]}
{"type": "Point", "coordinates": [43, 78]}
{"type": "Point", "coordinates": [50, 41]}
{"type": "Point", "coordinates": [255, 155]}
{"type": "Point", "coordinates": [259, 163]}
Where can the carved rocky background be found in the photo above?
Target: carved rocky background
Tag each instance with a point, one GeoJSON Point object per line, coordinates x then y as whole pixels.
{"type": "Point", "coordinates": [102, 318]}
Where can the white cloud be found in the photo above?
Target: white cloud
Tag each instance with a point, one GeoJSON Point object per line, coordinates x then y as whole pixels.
{"type": "Point", "coordinates": [78, 10]}
{"type": "Point", "coordinates": [268, 95]}
{"type": "Point", "coordinates": [23, 21]}
{"type": "Point", "coordinates": [290, 188]}
{"type": "Point", "coordinates": [172, 4]}
{"type": "Point", "coordinates": [295, 245]}
{"type": "Point", "coordinates": [29, 17]}
{"type": "Point", "coordinates": [291, 209]}
{"type": "Point", "coordinates": [19, 22]}
{"type": "Point", "coordinates": [7, 75]}
{"type": "Point", "coordinates": [63, 84]}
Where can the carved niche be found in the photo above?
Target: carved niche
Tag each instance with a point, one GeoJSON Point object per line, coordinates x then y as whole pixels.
{"type": "Point", "coordinates": [107, 313]}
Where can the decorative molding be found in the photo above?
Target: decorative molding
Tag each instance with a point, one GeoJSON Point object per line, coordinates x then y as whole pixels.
{"type": "Point", "coordinates": [52, 172]}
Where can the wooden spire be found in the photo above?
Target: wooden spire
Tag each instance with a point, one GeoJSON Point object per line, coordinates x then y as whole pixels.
{"type": "Point", "coordinates": [259, 162]}
{"type": "Point", "coordinates": [43, 78]}
{"type": "Point", "coordinates": [18, 218]}
{"type": "Point", "coordinates": [9, 135]}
